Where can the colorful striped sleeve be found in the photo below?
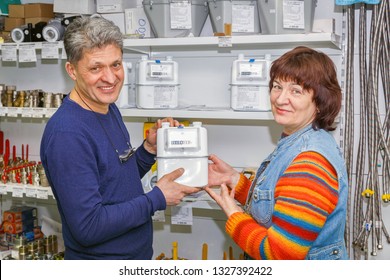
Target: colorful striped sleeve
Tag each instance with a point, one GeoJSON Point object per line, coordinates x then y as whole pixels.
{"type": "Point", "coordinates": [305, 195]}
{"type": "Point", "coordinates": [242, 189]}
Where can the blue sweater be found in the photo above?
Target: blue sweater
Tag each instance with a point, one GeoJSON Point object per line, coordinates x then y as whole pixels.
{"type": "Point", "coordinates": [104, 211]}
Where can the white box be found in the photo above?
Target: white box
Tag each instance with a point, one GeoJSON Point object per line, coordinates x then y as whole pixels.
{"type": "Point", "coordinates": [118, 19]}
{"type": "Point", "coordinates": [113, 6]}
{"type": "Point", "coordinates": [86, 7]}
{"type": "Point", "coordinates": [136, 22]}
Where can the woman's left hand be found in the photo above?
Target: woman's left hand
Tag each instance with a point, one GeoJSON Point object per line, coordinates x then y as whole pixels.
{"type": "Point", "coordinates": [150, 143]}
{"type": "Point", "coordinates": [225, 200]}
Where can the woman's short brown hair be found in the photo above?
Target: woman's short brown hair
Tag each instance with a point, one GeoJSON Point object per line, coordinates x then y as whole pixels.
{"type": "Point", "coordinates": [314, 71]}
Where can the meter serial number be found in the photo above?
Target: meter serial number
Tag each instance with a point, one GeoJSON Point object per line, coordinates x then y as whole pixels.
{"type": "Point", "coordinates": [239, 270]}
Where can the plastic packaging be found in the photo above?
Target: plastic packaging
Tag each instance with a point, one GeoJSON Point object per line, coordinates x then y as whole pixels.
{"type": "Point", "coordinates": [241, 14]}
{"type": "Point", "coordinates": [176, 18]}
{"type": "Point", "coordinates": [284, 16]}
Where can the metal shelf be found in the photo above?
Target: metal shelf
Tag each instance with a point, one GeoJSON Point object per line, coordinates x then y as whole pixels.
{"type": "Point", "coordinates": [198, 114]}
{"type": "Point", "coordinates": [277, 41]}
{"type": "Point", "coordinates": [20, 190]}
{"type": "Point", "coordinates": [223, 114]}
{"type": "Point", "coordinates": [331, 40]}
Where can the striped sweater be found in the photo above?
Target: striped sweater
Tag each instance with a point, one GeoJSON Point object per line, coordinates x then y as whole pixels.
{"type": "Point", "coordinates": [305, 195]}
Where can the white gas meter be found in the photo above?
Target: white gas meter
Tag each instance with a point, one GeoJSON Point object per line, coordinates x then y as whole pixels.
{"type": "Point", "coordinates": [249, 88]}
{"type": "Point", "coordinates": [183, 147]}
{"type": "Point", "coordinates": [157, 83]}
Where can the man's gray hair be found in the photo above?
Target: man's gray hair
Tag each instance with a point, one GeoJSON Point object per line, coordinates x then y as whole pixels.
{"type": "Point", "coordinates": [87, 33]}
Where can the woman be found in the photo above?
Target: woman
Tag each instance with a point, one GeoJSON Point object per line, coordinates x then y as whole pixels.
{"type": "Point", "coordinates": [295, 208]}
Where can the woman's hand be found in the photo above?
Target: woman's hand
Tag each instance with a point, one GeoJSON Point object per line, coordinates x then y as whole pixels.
{"type": "Point", "coordinates": [221, 173]}
{"type": "Point", "coordinates": [225, 200]}
{"type": "Point", "coordinates": [150, 143]}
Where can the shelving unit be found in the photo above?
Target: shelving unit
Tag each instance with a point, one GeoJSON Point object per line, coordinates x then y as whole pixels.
{"type": "Point", "coordinates": [240, 132]}
{"type": "Point", "coordinates": [188, 44]}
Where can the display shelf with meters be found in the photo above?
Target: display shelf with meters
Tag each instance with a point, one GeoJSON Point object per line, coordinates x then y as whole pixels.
{"type": "Point", "coordinates": [199, 52]}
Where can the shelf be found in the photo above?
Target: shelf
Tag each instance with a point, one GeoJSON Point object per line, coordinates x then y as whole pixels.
{"type": "Point", "coordinates": [276, 41]}
{"type": "Point", "coordinates": [264, 41]}
{"type": "Point", "coordinates": [20, 190]}
{"type": "Point", "coordinates": [27, 112]}
{"type": "Point", "coordinates": [198, 114]}
{"type": "Point", "coordinates": [148, 113]}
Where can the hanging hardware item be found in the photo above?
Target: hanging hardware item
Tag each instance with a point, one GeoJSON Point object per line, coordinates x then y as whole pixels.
{"type": "Point", "coordinates": [373, 156]}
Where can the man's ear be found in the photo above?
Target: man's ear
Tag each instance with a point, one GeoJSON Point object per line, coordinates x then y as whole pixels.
{"type": "Point", "coordinates": [71, 70]}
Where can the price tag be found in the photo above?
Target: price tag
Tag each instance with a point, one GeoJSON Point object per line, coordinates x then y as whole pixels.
{"type": "Point", "coordinates": [50, 50]}
{"type": "Point", "coordinates": [63, 54]}
{"type": "Point", "coordinates": [42, 193]}
{"type": "Point", "coordinates": [13, 111]}
{"type": "Point", "coordinates": [9, 52]}
{"type": "Point", "coordinates": [3, 111]}
{"type": "Point", "coordinates": [31, 192]}
{"type": "Point", "coordinates": [3, 189]}
{"type": "Point", "coordinates": [27, 53]}
{"type": "Point", "coordinates": [159, 216]}
{"type": "Point", "coordinates": [17, 191]}
{"type": "Point", "coordinates": [37, 112]}
{"type": "Point", "coordinates": [27, 112]}
{"type": "Point", "coordinates": [50, 112]}
{"type": "Point", "coordinates": [225, 42]}
{"type": "Point", "coordinates": [181, 215]}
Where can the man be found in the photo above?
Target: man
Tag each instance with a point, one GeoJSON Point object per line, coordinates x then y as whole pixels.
{"type": "Point", "coordinates": [92, 168]}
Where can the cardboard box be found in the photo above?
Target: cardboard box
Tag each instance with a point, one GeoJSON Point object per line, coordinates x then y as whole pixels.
{"type": "Point", "coordinates": [35, 20]}
{"type": "Point", "coordinates": [2, 19]}
{"type": "Point", "coordinates": [137, 23]}
{"type": "Point", "coordinates": [19, 214]}
{"type": "Point", "coordinates": [16, 11]}
{"type": "Point", "coordinates": [19, 227]}
{"type": "Point", "coordinates": [11, 23]}
{"type": "Point", "coordinates": [86, 7]}
{"type": "Point", "coordinates": [38, 10]}
{"type": "Point", "coordinates": [113, 6]}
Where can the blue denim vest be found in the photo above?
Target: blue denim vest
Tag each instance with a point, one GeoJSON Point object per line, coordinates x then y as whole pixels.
{"type": "Point", "coordinates": [260, 202]}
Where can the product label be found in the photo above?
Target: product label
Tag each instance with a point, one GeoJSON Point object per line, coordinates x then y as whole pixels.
{"type": "Point", "coordinates": [243, 18]}
{"type": "Point", "coordinates": [252, 71]}
{"type": "Point", "coordinates": [165, 96]}
{"type": "Point", "coordinates": [181, 15]}
{"type": "Point", "coordinates": [182, 138]}
{"type": "Point", "coordinates": [293, 14]}
{"type": "Point", "coordinates": [162, 71]}
{"type": "Point", "coordinates": [248, 97]}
